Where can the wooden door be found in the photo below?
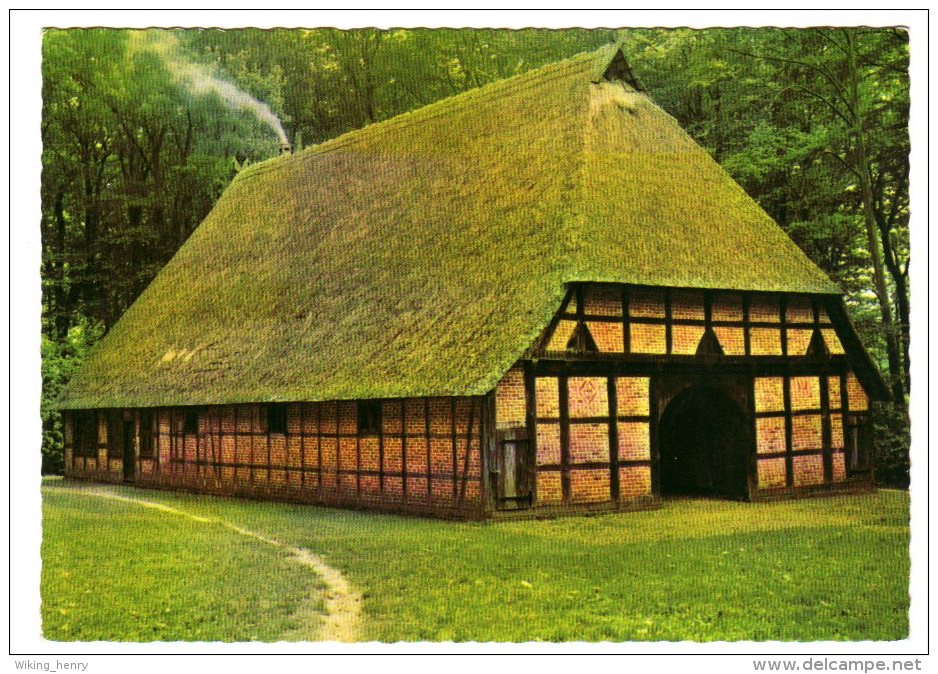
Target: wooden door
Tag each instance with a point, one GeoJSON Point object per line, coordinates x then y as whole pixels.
{"type": "Point", "coordinates": [514, 463]}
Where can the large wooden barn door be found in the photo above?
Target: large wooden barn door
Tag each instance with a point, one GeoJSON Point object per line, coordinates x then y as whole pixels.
{"type": "Point", "coordinates": [705, 439]}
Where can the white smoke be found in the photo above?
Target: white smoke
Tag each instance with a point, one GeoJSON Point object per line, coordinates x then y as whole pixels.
{"type": "Point", "coordinates": [200, 79]}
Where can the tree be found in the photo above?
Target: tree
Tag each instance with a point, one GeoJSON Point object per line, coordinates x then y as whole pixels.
{"type": "Point", "coordinates": [812, 123]}
{"type": "Point", "coordinates": [858, 78]}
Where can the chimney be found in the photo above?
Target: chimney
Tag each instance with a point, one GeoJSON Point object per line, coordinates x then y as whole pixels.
{"type": "Point", "coordinates": [285, 147]}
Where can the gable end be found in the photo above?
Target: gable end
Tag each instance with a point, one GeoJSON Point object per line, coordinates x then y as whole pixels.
{"type": "Point", "coordinates": [618, 70]}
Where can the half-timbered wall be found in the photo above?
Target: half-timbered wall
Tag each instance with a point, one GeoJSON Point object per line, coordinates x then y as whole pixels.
{"type": "Point", "coordinates": [86, 448]}
{"type": "Point", "coordinates": [424, 455]}
{"type": "Point", "coordinates": [592, 439]}
{"type": "Point", "coordinates": [592, 435]}
{"type": "Point", "coordinates": [584, 408]}
{"type": "Point", "coordinates": [510, 402]}
{"type": "Point", "coordinates": [672, 322]}
{"type": "Point", "coordinates": [593, 418]}
{"type": "Point", "coordinates": [800, 432]}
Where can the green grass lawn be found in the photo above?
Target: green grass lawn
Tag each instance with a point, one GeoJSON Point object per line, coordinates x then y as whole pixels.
{"type": "Point", "coordinates": [115, 571]}
{"type": "Point", "coordinates": [817, 569]}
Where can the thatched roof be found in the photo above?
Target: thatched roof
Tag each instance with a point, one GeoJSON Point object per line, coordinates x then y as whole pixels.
{"type": "Point", "coordinates": [423, 255]}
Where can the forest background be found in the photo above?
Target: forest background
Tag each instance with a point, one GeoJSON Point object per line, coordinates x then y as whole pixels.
{"type": "Point", "coordinates": [143, 129]}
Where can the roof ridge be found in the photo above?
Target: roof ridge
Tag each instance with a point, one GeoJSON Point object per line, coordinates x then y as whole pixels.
{"type": "Point", "coordinates": [575, 222]}
{"type": "Point", "coordinates": [574, 218]}
{"type": "Point", "coordinates": [448, 105]}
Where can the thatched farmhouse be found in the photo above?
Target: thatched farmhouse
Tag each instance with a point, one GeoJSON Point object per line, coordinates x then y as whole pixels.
{"type": "Point", "coordinates": [537, 296]}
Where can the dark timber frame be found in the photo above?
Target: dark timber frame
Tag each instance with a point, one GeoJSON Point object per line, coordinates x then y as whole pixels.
{"type": "Point", "coordinates": [741, 370]}
{"type": "Point", "coordinates": [233, 449]}
{"type": "Point", "coordinates": [235, 452]}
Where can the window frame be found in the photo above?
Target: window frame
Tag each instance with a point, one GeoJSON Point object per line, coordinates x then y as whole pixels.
{"type": "Point", "coordinates": [369, 417]}
{"type": "Point", "coordinates": [277, 412]}
{"type": "Point", "coordinates": [82, 422]}
{"type": "Point", "coordinates": [190, 422]}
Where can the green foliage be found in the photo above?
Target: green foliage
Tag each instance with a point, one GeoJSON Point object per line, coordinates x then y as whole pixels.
{"type": "Point", "coordinates": [59, 360]}
{"type": "Point", "coordinates": [133, 162]}
{"type": "Point", "coordinates": [891, 441]}
{"type": "Point", "coordinates": [811, 570]}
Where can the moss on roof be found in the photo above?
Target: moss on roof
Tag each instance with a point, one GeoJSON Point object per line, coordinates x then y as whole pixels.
{"type": "Point", "coordinates": [423, 255]}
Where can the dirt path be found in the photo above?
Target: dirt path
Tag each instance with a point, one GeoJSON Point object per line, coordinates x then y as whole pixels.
{"type": "Point", "coordinates": [343, 602]}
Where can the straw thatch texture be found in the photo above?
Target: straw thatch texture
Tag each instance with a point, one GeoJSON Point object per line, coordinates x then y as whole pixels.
{"type": "Point", "coordinates": [423, 255]}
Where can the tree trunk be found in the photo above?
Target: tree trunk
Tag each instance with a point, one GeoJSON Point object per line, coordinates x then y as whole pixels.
{"type": "Point", "coordinates": [879, 275]}
{"type": "Point", "coordinates": [62, 312]}
{"type": "Point", "coordinates": [902, 306]}
{"type": "Point", "coordinates": [872, 233]}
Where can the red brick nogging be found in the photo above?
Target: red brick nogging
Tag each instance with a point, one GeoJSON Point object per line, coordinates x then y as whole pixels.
{"type": "Point", "coordinates": [425, 456]}
{"type": "Point", "coordinates": [796, 425]}
{"type": "Point", "coordinates": [575, 463]}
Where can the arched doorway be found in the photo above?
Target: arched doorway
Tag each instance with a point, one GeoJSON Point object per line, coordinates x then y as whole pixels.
{"type": "Point", "coordinates": [703, 445]}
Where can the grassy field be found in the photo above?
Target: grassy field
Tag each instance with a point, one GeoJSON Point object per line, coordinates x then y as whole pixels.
{"type": "Point", "coordinates": [818, 569]}
{"type": "Point", "coordinates": [114, 571]}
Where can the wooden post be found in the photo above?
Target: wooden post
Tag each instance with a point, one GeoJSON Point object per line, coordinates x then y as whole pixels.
{"type": "Point", "coordinates": [358, 462]}
{"type": "Point", "coordinates": [426, 423]}
{"type": "Point", "coordinates": [404, 450]}
{"type": "Point", "coordinates": [530, 419]}
{"type": "Point", "coordinates": [158, 412]}
{"type": "Point", "coordinates": [789, 457]}
{"type": "Point", "coordinates": [455, 448]}
{"type": "Point", "coordinates": [198, 438]}
{"type": "Point", "coordinates": [267, 429]}
{"type": "Point", "coordinates": [319, 443]}
{"type": "Point", "coordinates": [626, 324]}
{"type": "Point", "coordinates": [237, 433]}
{"type": "Point", "coordinates": [465, 467]}
{"type": "Point", "coordinates": [668, 332]}
{"type": "Point", "coordinates": [185, 454]}
{"type": "Point", "coordinates": [286, 442]}
{"type": "Point", "coordinates": [845, 422]}
{"type": "Point", "coordinates": [488, 452]}
{"type": "Point", "coordinates": [252, 434]}
{"type": "Point", "coordinates": [753, 481]}
{"type": "Point", "coordinates": [564, 396]}
{"type": "Point", "coordinates": [653, 441]}
{"type": "Point", "coordinates": [613, 411]}
{"type": "Point", "coordinates": [824, 389]}
{"type": "Point", "coordinates": [338, 451]}
{"type": "Point", "coordinates": [381, 448]}
{"type": "Point", "coordinates": [211, 438]}
{"type": "Point", "coordinates": [302, 446]}
{"type": "Point", "coordinates": [135, 438]}
{"type": "Point", "coordinates": [221, 445]}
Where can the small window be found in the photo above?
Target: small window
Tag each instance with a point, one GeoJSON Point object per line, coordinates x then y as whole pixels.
{"type": "Point", "coordinates": [190, 422]}
{"type": "Point", "coordinates": [277, 418]}
{"type": "Point", "coordinates": [369, 417]}
{"type": "Point", "coordinates": [85, 434]}
{"type": "Point", "coordinates": [145, 433]}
